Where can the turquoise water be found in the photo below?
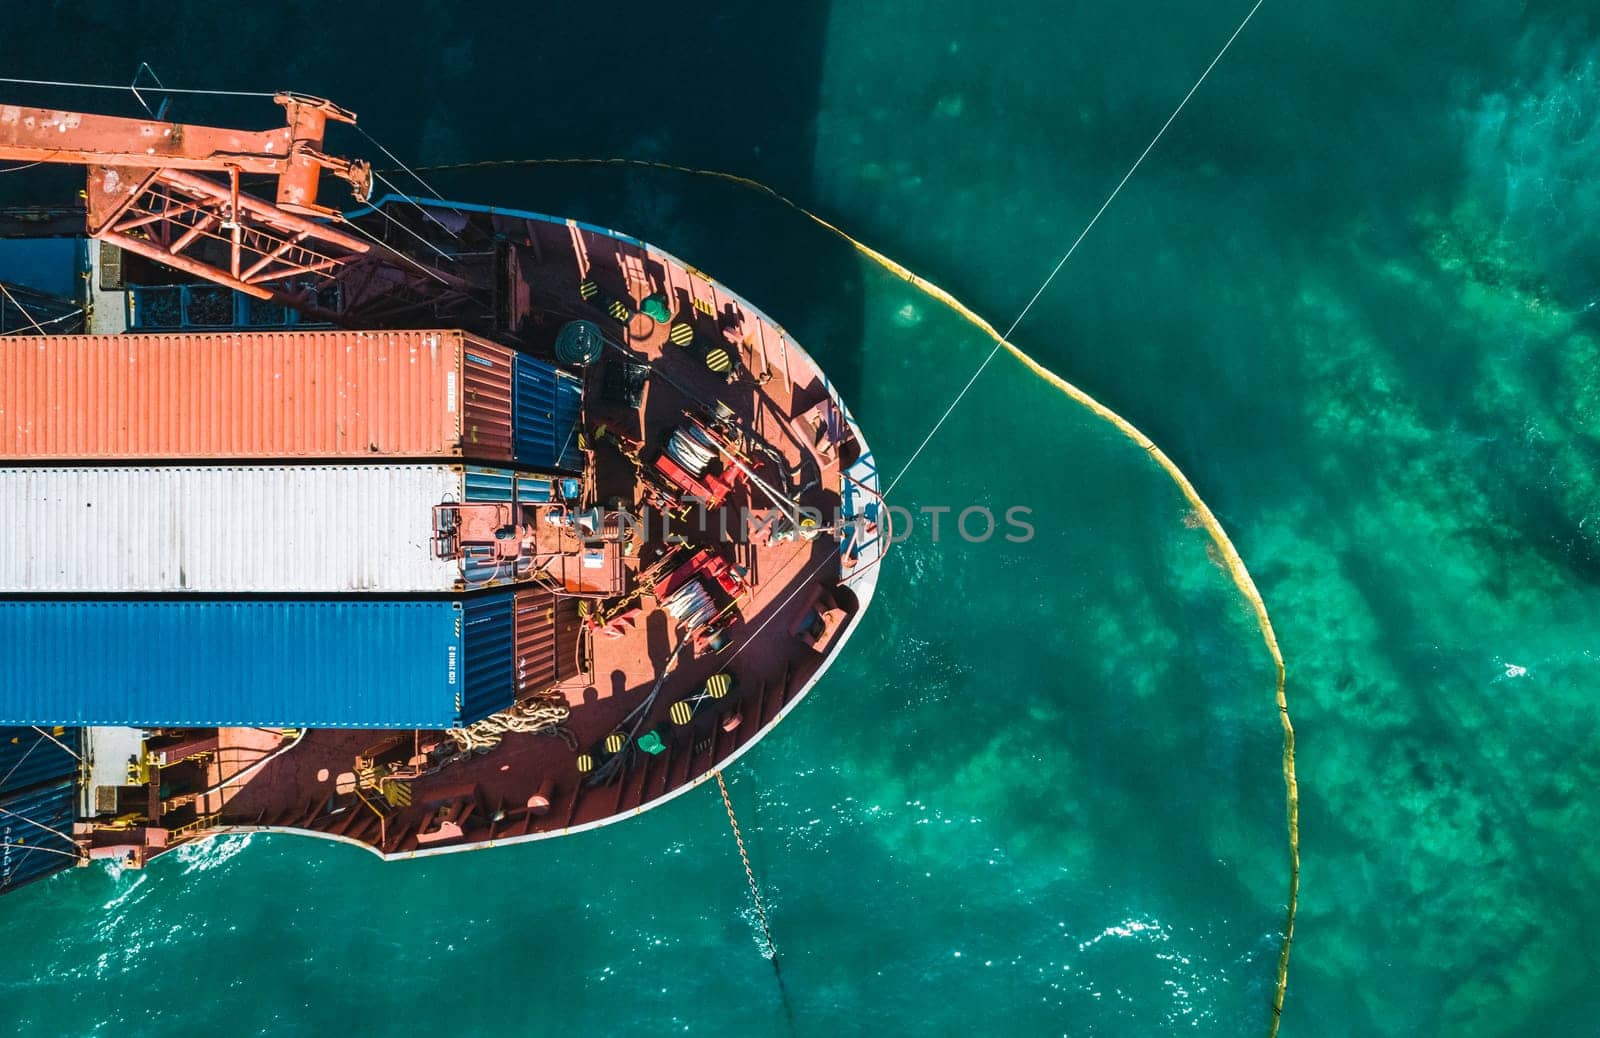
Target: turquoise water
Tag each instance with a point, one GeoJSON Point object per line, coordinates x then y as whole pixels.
{"type": "Point", "coordinates": [1351, 294]}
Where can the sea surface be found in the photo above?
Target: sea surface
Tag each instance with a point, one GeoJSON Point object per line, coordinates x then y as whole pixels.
{"type": "Point", "coordinates": [1352, 293]}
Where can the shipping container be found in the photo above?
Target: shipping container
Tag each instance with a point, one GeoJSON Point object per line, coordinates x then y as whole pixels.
{"type": "Point", "coordinates": [243, 528]}
{"type": "Point", "coordinates": [282, 395]}
{"type": "Point", "coordinates": [32, 757]}
{"type": "Point", "coordinates": [341, 663]}
{"type": "Point", "coordinates": [36, 832]}
{"type": "Point", "coordinates": [546, 403]}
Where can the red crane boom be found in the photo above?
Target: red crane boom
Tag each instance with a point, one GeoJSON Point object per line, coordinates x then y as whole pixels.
{"type": "Point", "coordinates": [153, 190]}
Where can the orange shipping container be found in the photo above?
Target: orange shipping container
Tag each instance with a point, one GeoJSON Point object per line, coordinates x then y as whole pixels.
{"type": "Point", "coordinates": [255, 394]}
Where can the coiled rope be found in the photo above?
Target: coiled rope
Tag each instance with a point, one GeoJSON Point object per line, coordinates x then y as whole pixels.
{"type": "Point", "coordinates": [542, 713]}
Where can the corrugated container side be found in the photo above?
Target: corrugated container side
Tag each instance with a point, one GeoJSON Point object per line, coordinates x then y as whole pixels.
{"type": "Point", "coordinates": [536, 641]}
{"type": "Point", "coordinates": [255, 394]}
{"type": "Point", "coordinates": [222, 529]}
{"type": "Point", "coordinates": [568, 621]}
{"type": "Point", "coordinates": [30, 757]}
{"type": "Point", "coordinates": [490, 485]}
{"type": "Point", "coordinates": [548, 402]}
{"type": "Point", "coordinates": [34, 833]}
{"type": "Point", "coordinates": [534, 382]}
{"type": "Point", "coordinates": [535, 489]}
{"type": "Point", "coordinates": [486, 405]}
{"type": "Point", "coordinates": [569, 410]}
{"type": "Point", "coordinates": [489, 635]}
{"type": "Point", "coordinates": [348, 663]}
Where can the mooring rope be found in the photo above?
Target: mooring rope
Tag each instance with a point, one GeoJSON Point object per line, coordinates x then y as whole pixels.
{"type": "Point", "coordinates": [75, 856]}
{"type": "Point", "coordinates": [127, 86]}
{"type": "Point", "coordinates": [40, 825]}
{"type": "Point", "coordinates": [63, 746]}
{"type": "Point", "coordinates": [749, 873]}
{"type": "Point", "coordinates": [1062, 262]}
{"type": "Point", "coordinates": [543, 713]}
{"type": "Point", "coordinates": [1231, 558]}
{"type": "Point", "coordinates": [21, 309]}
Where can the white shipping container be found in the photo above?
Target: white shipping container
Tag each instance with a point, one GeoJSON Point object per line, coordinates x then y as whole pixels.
{"type": "Point", "coordinates": [241, 528]}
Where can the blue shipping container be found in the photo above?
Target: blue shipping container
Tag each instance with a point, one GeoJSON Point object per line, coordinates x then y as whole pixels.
{"type": "Point", "coordinates": [292, 664]}
{"type": "Point", "coordinates": [31, 757]}
{"type": "Point", "coordinates": [546, 405]}
{"type": "Point", "coordinates": [35, 830]}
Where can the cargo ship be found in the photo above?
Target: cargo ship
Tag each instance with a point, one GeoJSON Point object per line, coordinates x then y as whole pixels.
{"type": "Point", "coordinates": [418, 525]}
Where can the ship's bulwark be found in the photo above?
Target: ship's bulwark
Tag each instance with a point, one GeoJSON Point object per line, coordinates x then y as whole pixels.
{"type": "Point", "coordinates": [328, 664]}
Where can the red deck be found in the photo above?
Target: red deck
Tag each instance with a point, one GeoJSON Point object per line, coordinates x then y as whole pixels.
{"type": "Point", "coordinates": [794, 608]}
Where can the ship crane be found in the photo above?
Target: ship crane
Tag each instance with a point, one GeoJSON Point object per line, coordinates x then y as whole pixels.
{"type": "Point", "coordinates": [170, 192]}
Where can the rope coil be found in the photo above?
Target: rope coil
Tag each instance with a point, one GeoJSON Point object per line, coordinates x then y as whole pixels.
{"type": "Point", "coordinates": [542, 713]}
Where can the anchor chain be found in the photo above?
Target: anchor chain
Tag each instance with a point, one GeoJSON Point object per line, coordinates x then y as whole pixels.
{"type": "Point", "coordinates": [749, 874]}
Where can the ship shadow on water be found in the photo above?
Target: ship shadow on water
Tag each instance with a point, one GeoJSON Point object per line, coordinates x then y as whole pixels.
{"type": "Point", "coordinates": [736, 91]}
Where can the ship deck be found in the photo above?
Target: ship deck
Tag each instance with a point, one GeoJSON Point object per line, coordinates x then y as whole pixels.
{"type": "Point", "coordinates": [530, 785]}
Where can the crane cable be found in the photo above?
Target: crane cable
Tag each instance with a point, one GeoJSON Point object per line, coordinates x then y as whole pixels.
{"type": "Point", "coordinates": [20, 308]}
{"type": "Point", "coordinates": [81, 853]}
{"type": "Point", "coordinates": [126, 86]}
